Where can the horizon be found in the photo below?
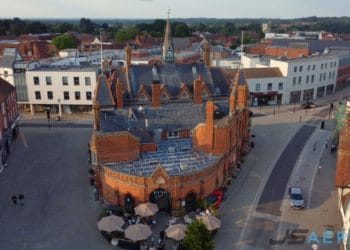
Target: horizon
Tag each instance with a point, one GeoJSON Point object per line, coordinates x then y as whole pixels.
{"type": "Point", "coordinates": [157, 9]}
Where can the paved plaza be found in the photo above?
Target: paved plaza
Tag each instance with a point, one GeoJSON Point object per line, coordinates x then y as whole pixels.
{"type": "Point", "coordinates": [50, 167]}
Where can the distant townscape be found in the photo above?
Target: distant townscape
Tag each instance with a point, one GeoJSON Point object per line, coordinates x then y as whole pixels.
{"type": "Point", "coordinates": [192, 133]}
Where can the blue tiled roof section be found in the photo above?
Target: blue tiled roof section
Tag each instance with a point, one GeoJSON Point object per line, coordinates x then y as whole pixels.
{"type": "Point", "coordinates": [241, 78]}
{"type": "Point", "coordinates": [220, 82]}
{"type": "Point", "coordinates": [104, 96]}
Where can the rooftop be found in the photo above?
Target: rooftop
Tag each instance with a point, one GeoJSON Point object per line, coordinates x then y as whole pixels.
{"type": "Point", "coordinates": [262, 73]}
{"type": "Point", "coordinates": [176, 156]}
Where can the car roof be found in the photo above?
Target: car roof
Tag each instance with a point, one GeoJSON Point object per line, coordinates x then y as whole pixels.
{"type": "Point", "coordinates": [295, 190]}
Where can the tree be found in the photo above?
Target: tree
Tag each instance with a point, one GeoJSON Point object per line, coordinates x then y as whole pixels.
{"type": "Point", "coordinates": [86, 26]}
{"type": "Point", "coordinates": [64, 41]}
{"type": "Point", "coordinates": [181, 30]}
{"type": "Point", "coordinates": [197, 237]}
{"type": "Point", "coordinates": [126, 34]}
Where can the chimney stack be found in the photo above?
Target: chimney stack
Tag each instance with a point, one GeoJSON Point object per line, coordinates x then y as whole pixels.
{"type": "Point", "coordinates": [119, 94]}
{"type": "Point", "coordinates": [197, 90]}
{"type": "Point", "coordinates": [127, 57]}
{"type": "Point", "coordinates": [155, 94]}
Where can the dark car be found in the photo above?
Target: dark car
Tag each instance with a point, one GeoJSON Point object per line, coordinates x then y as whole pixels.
{"type": "Point", "coordinates": [308, 105]}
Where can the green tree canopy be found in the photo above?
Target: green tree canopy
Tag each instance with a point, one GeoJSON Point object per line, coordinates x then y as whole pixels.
{"type": "Point", "coordinates": [126, 34]}
{"type": "Point", "coordinates": [181, 30]}
{"type": "Point", "coordinates": [197, 237]}
{"type": "Point", "coordinates": [64, 41]}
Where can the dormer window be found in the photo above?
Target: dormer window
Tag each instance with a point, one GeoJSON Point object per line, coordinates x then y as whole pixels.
{"type": "Point", "coordinates": [184, 95]}
{"type": "Point", "coordinates": [143, 98]}
{"type": "Point", "coordinates": [205, 94]}
{"type": "Point", "coordinates": [164, 97]}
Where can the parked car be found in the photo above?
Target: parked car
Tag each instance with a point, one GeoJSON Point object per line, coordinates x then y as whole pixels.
{"type": "Point", "coordinates": [308, 105]}
{"type": "Point", "coordinates": [215, 198]}
{"type": "Point", "coordinates": [296, 199]}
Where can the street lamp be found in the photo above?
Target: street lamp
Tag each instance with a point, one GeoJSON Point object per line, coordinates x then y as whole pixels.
{"type": "Point", "coordinates": [48, 115]}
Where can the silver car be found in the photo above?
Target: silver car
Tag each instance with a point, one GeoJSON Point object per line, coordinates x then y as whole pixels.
{"type": "Point", "coordinates": [296, 199]}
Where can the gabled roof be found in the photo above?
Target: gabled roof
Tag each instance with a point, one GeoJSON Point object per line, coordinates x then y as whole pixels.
{"type": "Point", "coordinates": [5, 89]}
{"type": "Point", "coordinates": [103, 92]}
{"type": "Point", "coordinates": [9, 57]}
{"type": "Point", "coordinates": [262, 73]}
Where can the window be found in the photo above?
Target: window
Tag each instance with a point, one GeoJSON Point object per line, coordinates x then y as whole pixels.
{"type": "Point", "coordinates": [184, 95]}
{"type": "Point", "coordinates": [299, 80]}
{"type": "Point", "coordinates": [164, 96]}
{"type": "Point", "coordinates": [49, 95]}
{"type": "Point", "coordinates": [173, 134]}
{"type": "Point", "coordinates": [269, 86]}
{"type": "Point", "coordinates": [257, 87]}
{"type": "Point", "coordinates": [335, 63]}
{"type": "Point", "coordinates": [295, 68]}
{"type": "Point", "coordinates": [280, 85]}
{"type": "Point", "coordinates": [87, 81]}
{"type": "Point", "coordinates": [325, 65]}
{"type": "Point", "coordinates": [321, 65]}
{"type": "Point", "coordinates": [37, 95]}
{"type": "Point", "coordinates": [321, 77]}
{"type": "Point", "coordinates": [76, 80]}
{"type": "Point", "coordinates": [324, 76]}
{"type": "Point", "coordinates": [308, 67]}
{"type": "Point", "coordinates": [294, 80]}
{"type": "Point", "coordinates": [300, 68]}
{"type": "Point", "coordinates": [312, 78]}
{"type": "Point", "coordinates": [313, 67]}
{"type": "Point", "coordinates": [48, 80]}
{"type": "Point", "coordinates": [307, 79]}
{"type": "Point", "coordinates": [333, 75]}
{"type": "Point", "coordinates": [36, 80]}
{"type": "Point", "coordinates": [77, 95]}
{"type": "Point", "coordinates": [330, 75]}
{"type": "Point", "coordinates": [143, 98]}
{"type": "Point", "coordinates": [66, 95]}
{"type": "Point", "coordinates": [88, 95]}
{"type": "Point", "coordinates": [64, 80]}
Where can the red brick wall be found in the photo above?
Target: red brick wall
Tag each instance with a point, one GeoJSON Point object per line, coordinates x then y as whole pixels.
{"type": "Point", "coordinates": [149, 147]}
{"type": "Point", "coordinates": [197, 91]}
{"type": "Point", "coordinates": [155, 95]}
{"type": "Point", "coordinates": [287, 52]}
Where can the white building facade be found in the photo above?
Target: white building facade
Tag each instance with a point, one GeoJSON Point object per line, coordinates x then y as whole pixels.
{"type": "Point", "coordinates": [308, 78]}
{"type": "Point", "coordinates": [66, 90]}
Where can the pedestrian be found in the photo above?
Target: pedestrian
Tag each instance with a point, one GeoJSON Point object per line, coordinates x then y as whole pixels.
{"type": "Point", "coordinates": [14, 199]}
{"type": "Point", "coordinates": [20, 199]}
{"type": "Point", "coordinates": [327, 143]}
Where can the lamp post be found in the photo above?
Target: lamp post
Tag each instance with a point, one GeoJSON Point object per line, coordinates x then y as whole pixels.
{"type": "Point", "coordinates": [48, 115]}
{"type": "Point", "coordinates": [59, 108]}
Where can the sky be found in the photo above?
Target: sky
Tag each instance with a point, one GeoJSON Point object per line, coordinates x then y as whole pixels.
{"type": "Point", "coordinates": [141, 9]}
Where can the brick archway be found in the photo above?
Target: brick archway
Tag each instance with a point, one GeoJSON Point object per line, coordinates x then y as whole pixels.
{"type": "Point", "coordinates": [162, 198]}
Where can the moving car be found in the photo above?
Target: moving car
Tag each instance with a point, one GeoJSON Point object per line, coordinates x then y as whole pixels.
{"type": "Point", "coordinates": [308, 105]}
{"type": "Point", "coordinates": [296, 199]}
{"type": "Point", "coordinates": [215, 198]}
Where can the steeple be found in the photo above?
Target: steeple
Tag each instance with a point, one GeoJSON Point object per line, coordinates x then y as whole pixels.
{"type": "Point", "coordinates": [168, 47]}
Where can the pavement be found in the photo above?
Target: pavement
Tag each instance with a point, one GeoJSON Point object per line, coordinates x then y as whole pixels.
{"type": "Point", "coordinates": [50, 167]}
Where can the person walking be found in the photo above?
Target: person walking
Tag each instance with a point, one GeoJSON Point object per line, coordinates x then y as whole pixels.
{"type": "Point", "coordinates": [20, 199]}
{"type": "Point", "coordinates": [14, 199]}
{"type": "Point", "coordinates": [327, 143]}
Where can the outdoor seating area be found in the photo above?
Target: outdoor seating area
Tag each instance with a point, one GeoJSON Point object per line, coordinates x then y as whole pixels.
{"type": "Point", "coordinates": [148, 228]}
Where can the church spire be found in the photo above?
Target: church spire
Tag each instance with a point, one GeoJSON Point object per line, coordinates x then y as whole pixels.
{"type": "Point", "coordinates": [168, 47]}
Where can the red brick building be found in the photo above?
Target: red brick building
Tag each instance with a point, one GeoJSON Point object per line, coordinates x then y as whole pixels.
{"type": "Point", "coordinates": [168, 133]}
{"type": "Point", "coordinates": [8, 117]}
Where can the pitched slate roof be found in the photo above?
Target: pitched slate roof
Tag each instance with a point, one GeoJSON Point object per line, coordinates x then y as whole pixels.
{"type": "Point", "coordinates": [262, 73]}
{"type": "Point", "coordinates": [103, 92]}
{"type": "Point", "coordinates": [172, 75]}
{"type": "Point", "coordinates": [9, 57]}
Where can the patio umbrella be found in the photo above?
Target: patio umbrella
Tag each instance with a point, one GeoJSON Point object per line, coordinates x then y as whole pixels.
{"type": "Point", "coordinates": [110, 223]}
{"type": "Point", "coordinates": [176, 231]}
{"type": "Point", "coordinates": [146, 209]}
{"type": "Point", "coordinates": [210, 221]}
{"type": "Point", "coordinates": [138, 232]}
